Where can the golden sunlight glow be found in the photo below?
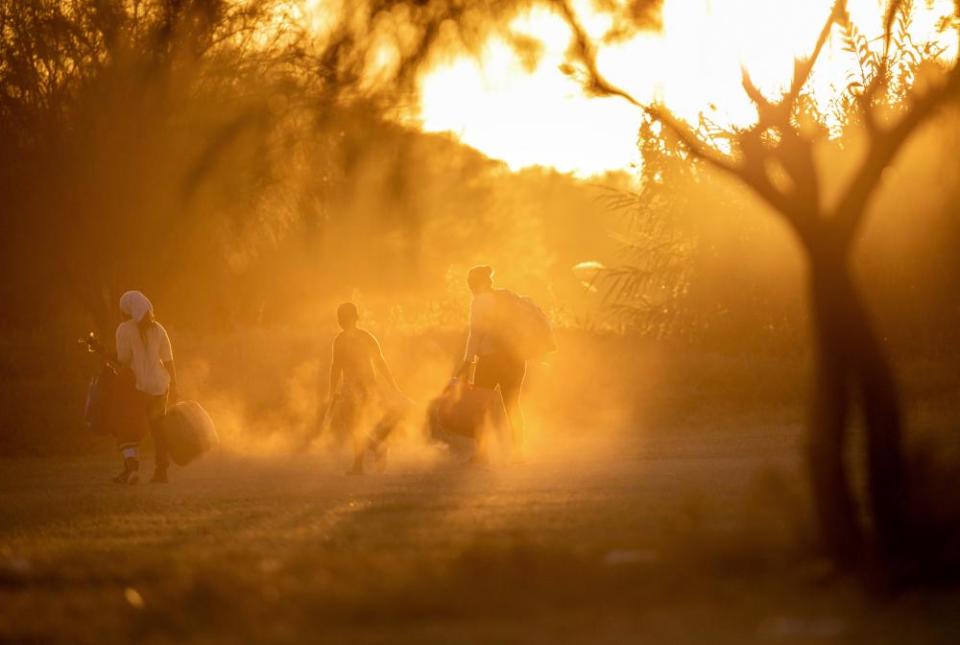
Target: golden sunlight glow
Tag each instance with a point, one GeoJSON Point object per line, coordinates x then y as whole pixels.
{"type": "Point", "coordinates": [541, 117]}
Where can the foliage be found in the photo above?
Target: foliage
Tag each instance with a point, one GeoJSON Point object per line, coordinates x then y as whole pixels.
{"type": "Point", "coordinates": [181, 138]}
{"type": "Point", "coordinates": [893, 67]}
{"type": "Point", "coordinates": [656, 242]}
{"type": "Point", "coordinates": [132, 131]}
{"type": "Point", "coordinates": [776, 158]}
{"type": "Point", "coordinates": [644, 291]}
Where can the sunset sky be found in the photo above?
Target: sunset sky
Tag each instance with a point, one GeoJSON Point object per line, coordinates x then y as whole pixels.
{"type": "Point", "coordinates": [693, 65]}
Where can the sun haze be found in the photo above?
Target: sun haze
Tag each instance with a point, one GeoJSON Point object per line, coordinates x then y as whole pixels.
{"type": "Point", "coordinates": [693, 65]}
{"type": "Point", "coordinates": [392, 329]}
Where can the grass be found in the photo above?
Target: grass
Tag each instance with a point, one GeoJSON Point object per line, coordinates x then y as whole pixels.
{"type": "Point", "coordinates": [684, 538]}
{"type": "Point", "coordinates": [664, 502]}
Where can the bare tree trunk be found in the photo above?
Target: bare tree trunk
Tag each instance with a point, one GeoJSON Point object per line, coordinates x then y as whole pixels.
{"type": "Point", "coordinates": [886, 470]}
{"type": "Point", "coordinates": [832, 494]}
{"type": "Point", "coordinates": [849, 355]}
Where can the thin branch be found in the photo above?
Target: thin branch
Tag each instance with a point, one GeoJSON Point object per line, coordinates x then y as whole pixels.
{"type": "Point", "coordinates": [696, 146]}
{"type": "Point", "coordinates": [753, 92]}
{"type": "Point", "coordinates": [597, 83]}
{"type": "Point", "coordinates": [751, 171]}
{"type": "Point", "coordinates": [803, 67]}
{"type": "Point", "coordinates": [884, 146]}
{"type": "Point", "coordinates": [893, 9]}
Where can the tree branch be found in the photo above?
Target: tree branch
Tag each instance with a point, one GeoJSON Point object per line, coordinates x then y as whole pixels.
{"type": "Point", "coordinates": [892, 10]}
{"type": "Point", "coordinates": [883, 148]}
{"type": "Point", "coordinates": [803, 67]}
{"type": "Point", "coordinates": [751, 170]}
{"type": "Point", "coordinates": [596, 83]}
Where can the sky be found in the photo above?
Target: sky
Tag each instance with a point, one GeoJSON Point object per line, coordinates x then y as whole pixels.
{"type": "Point", "coordinates": [693, 65]}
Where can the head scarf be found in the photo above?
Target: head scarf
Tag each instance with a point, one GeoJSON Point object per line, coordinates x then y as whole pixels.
{"type": "Point", "coordinates": [136, 305]}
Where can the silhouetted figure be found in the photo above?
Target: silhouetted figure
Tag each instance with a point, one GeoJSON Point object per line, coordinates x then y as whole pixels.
{"type": "Point", "coordinates": [499, 363]}
{"type": "Point", "coordinates": [144, 347]}
{"type": "Point", "coordinates": [357, 362]}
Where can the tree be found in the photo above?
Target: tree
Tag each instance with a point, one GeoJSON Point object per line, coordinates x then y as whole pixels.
{"type": "Point", "coordinates": [171, 125]}
{"type": "Point", "coordinates": [775, 159]}
{"type": "Point", "coordinates": [130, 131]}
{"type": "Point", "coordinates": [644, 288]}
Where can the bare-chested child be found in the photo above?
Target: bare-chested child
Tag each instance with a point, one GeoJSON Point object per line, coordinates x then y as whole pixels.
{"type": "Point", "coordinates": [357, 363]}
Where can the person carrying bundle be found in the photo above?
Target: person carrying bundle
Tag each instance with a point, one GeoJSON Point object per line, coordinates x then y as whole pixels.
{"type": "Point", "coordinates": [506, 330]}
{"type": "Point", "coordinates": [144, 348]}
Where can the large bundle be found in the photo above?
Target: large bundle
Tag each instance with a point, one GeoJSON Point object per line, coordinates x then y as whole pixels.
{"type": "Point", "coordinates": [523, 326]}
{"type": "Point", "coordinates": [189, 431]}
{"type": "Point", "coordinates": [465, 411]}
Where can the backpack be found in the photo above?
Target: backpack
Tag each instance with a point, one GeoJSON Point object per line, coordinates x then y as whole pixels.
{"type": "Point", "coordinates": [524, 328]}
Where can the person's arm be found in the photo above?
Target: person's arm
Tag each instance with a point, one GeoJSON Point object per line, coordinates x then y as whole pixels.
{"type": "Point", "coordinates": [381, 364]}
{"type": "Point", "coordinates": [174, 395]}
{"type": "Point", "coordinates": [473, 339]}
{"type": "Point", "coordinates": [336, 369]}
{"type": "Point", "coordinates": [166, 359]}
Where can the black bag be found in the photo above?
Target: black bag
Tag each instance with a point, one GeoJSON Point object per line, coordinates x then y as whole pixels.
{"type": "Point", "coordinates": [189, 431]}
{"type": "Point", "coordinates": [96, 411]}
{"type": "Point", "coordinates": [114, 406]}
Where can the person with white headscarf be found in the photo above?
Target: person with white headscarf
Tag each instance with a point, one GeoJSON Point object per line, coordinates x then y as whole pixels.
{"type": "Point", "coordinates": [144, 347]}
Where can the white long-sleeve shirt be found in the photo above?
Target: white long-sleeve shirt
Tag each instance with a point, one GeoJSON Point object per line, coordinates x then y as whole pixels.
{"type": "Point", "coordinates": [146, 360]}
{"type": "Point", "coordinates": [481, 339]}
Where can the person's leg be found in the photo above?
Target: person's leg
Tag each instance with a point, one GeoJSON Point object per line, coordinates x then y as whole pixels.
{"type": "Point", "coordinates": [490, 373]}
{"type": "Point", "coordinates": [155, 412]}
{"type": "Point", "coordinates": [129, 419]}
{"type": "Point", "coordinates": [354, 411]}
{"type": "Point", "coordinates": [510, 386]}
{"type": "Point", "coordinates": [377, 442]}
{"type": "Point", "coordinates": [388, 421]}
{"type": "Point", "coordinates": [129, 451]}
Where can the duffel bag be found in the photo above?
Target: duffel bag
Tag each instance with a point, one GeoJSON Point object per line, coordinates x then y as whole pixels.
{"type": "Point", "coordinates": [189, 431]}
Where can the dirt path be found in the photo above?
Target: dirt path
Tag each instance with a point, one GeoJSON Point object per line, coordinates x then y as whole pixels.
{"type": "Point", "coordinates": [680, 541]}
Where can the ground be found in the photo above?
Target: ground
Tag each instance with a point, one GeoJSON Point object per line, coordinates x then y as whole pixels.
{"type": "Point", "coordinates": [684, 539]}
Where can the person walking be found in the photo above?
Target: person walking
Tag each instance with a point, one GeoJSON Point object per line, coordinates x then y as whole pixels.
{"type": "Point", "coordinates": [143, 347]}
{"type": "Point", "coordinates": [499, 362]}
{"type": "Point", "coordinates": [357, 363]}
